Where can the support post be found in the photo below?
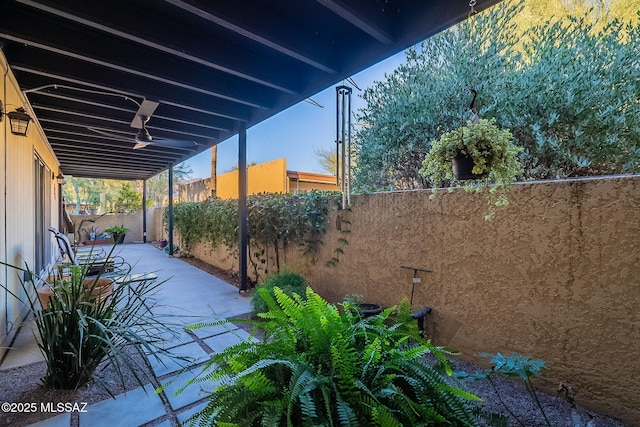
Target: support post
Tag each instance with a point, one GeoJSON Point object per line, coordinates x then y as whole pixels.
{"type": "Point", "coordinates": [242, 206]}
{"type": "Point", "coordinates": [170, 215]}
{"type": "Point", "coordinates": [144, 211]}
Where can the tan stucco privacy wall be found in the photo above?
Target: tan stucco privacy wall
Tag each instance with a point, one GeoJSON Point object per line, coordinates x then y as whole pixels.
{"type": "Point", "coordinates": [555, 275]}
{"type": "Point", "coordinates": [133, 221]}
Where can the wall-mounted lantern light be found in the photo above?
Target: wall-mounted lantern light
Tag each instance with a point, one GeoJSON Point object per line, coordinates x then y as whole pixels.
{"type": "Point", "coordinates": [60, 179]}
{"type": "Point", "coordinates": [18, 120]}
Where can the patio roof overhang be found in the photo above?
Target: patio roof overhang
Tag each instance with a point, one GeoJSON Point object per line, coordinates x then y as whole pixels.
{"type": "Point", "coordinates": [214, 67]}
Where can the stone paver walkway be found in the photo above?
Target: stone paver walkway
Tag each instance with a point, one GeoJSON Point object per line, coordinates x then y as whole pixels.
{"type": "Point", "coordinates": [189, 293]}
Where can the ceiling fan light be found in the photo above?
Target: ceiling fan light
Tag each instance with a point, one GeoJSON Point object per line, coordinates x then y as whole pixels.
{"type": "Point", "coordinates": [143, 135]}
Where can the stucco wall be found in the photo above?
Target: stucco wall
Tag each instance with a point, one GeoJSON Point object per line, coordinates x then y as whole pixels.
{"type": "Point", "coordinates": [133, 221]}
{"type": "Point", "coordinates": [17, 203]}
{"type": "Point", "coordinates": [268, 177]}
{"type": "Point", "coordinates": [197, 191]}
{"type": "Point", "coordinates": [555, 275]}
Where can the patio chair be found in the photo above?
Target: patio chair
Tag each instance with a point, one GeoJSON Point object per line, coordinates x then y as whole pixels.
{"type": "Point", "coordinates": [93, 251]}
{"type": "Point", "coordinates": [95, 263]}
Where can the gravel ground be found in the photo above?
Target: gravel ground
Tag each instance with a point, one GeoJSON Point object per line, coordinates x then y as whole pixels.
{"type": "Point", "coordinates": [24, 385]}
{"type": "Point", "coordinates": [513, 392]}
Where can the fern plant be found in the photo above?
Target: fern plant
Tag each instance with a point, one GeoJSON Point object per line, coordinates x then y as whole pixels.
{"type": "Point", "coordinates": [321, 366]}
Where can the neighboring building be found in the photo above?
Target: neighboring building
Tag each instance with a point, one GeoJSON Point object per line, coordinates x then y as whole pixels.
{"type": "Point", "coordinates": [268, 177]}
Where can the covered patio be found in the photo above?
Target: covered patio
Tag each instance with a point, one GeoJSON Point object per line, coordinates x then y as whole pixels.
{"type": "Point", "coordinates": [129, 89]}
{"type": "Point", "coordinates": [174, 78]}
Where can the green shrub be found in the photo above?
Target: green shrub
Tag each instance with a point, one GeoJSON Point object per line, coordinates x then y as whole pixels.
{"type": "Point", "coordinates": [318, 366]}
{"type": "Point", "coordinates": [83, 326]}
{"type": "Point", "coordinates": [276, 222]}
{"type": "Point", "coordinates": [117, 229]}
{"type": "Point", "coordinates": [287, 281]}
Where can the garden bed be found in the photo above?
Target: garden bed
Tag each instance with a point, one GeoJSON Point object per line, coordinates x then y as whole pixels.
{"type": "Point", "coordinates": [98, 242]}
{"type": "Point", "coordinates": [22, 384]}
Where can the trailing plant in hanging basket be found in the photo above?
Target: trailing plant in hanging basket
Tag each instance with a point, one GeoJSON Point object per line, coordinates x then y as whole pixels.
{"type": "Point", "coordinates": [494, 156]}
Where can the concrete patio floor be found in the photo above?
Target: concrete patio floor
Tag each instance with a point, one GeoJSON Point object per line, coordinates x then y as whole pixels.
{"type": "Point", "coordinates": [189, 293]}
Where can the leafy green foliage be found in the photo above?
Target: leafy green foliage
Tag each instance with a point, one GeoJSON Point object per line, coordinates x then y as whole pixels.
{"type": "Point", "coordinates": [276, 221]}
{"type": "Point", "coordinates": [515, 365]}
{"type": "Point", "coordinates": [158, 186]}
{"type": "Point", "coordinates": [127, 199]}
{"type": "Point", "coordinates": [567, 89]}
{"type": "Point", "coordinates": [574, 103]}
{"type": "Point", "coordinates": [83, 326]}
{"type": "Point", "coordinates": [489, 147]}
{"type": "Point", "coordinates": [287, 281]}
{"type": "Point", "coordinates": [84, 192]}
{"type": "Point", "coordinates": [117, 229]}
{"type": "Point", "coordinates": [318, 366]}
{"type": "Point", "coordinates": [429, 96]}
{"type": "Point", "coordinates": [214, 221]}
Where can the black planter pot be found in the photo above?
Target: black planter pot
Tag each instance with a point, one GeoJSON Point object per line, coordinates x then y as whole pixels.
{"type": "Point", "coordinates": [462, 166]}
{"type": "Point", "coordinates": [369, 310]}
{"type": "Point", "coordinates": [118, 238]}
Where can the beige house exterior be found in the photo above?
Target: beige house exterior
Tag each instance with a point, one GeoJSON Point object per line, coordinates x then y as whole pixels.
{"type": "Point", "coordinates": [29, 205]}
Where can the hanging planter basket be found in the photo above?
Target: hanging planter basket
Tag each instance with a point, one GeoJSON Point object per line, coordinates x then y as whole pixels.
{"type": "Point", "coordinates": [462, 167]}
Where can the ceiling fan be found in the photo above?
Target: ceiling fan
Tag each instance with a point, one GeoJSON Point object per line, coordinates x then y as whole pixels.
{"type": "Point", "coordinates": [144, 138]}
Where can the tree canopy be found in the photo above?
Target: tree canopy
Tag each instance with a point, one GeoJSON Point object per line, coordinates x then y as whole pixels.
{"type": "Point", "coordinates": [565, 85]}
{"type": "Point", "coordinates": [122, 196]}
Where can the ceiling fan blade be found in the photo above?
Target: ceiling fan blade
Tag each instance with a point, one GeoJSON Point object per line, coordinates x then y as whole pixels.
{"type": "Point", "coordinates": [123, 138]}
{"type": "Point", "coordinates": [146, 109]}
{"type": "Point", "coordinates": [175, 143]}
{"type": "Point", "coordinates": [140, 145]}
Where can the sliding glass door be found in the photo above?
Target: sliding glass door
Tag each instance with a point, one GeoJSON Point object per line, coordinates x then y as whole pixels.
{"type": "Point", "coordinates": [42, 212]}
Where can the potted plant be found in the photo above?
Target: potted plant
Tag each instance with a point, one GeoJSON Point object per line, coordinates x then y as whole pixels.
{"type": "Point", "coordinates": [75, 282]}
{"type": "Point", "coordinates": [366, 309]}
{"type": "Point", "coordinates": [118, 232]}
{"type": "Point", "coordinates": [478, 153]}
{"type": "Point", "coordinates": [82, 324]}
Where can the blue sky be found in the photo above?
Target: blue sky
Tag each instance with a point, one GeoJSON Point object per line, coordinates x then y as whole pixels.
{"type": "Point", "coordinates": [294, 133]}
